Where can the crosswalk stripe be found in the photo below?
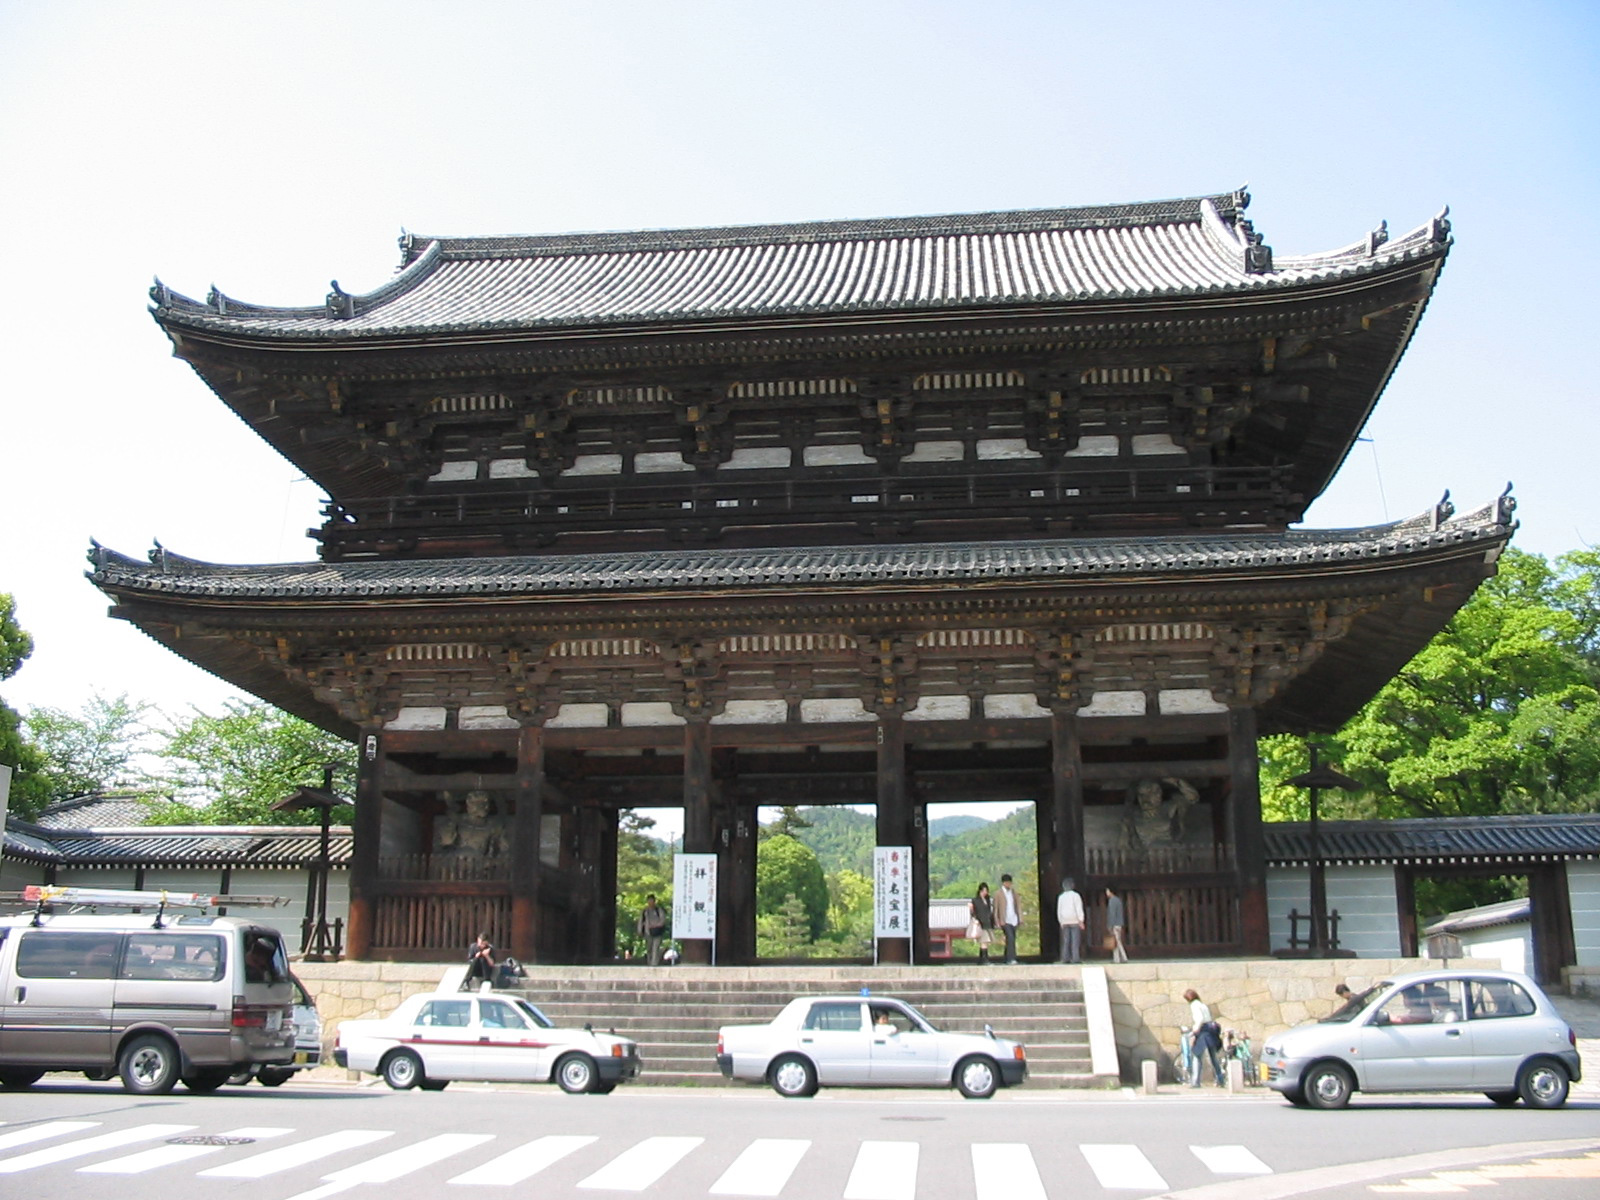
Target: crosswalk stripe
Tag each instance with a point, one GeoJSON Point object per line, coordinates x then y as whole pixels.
{"type": "Point", "coordinates": [388, 1167]}
{"type": "Point", "coordinates": [516, 1165]}
{"type": "Point", "coordinates": [166, 1156]}
{"type": "Point", "coordinates": [93, 1145]}
{"type": "Point", "coordinates": [1122, 1166]}
{"type": "Point", "coordinates": [258, 1166]}
{"type": "Point", "coordinates": [1230, 1160]}
{"type": "Point", "coordinates": [637, 1167]}
{"type": "Point", "coordinates": [1005, 1171]}
{"type": "Point", "coordinates": [38, 1133]}
{"type": "Point", "coordinates": [884, 1171]}
{"type": "Point", "coordinates": [762, 1168]}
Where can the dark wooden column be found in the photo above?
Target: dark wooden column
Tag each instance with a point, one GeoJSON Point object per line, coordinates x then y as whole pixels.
{"type": "Point", "coordinates": [606, 883]}
{"type": "Point", "coordinates": [525, 828]}
{"type": "Point", "coordinates": [737, 889]}
{"type": "Point", "coordinates": [1062, 812]}
{"type": "Point", "coordinates": [699, 826]}
{"type": "Point", "coordinates": [894, 817]}
{"type": "Point", "coordinates": [367, 832]}
{"type": "Point", "coordinates": [1249, 846]}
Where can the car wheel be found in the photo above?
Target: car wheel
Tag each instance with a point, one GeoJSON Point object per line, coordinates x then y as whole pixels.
{"type": "Point", "coordinates": [576, 1073]}
{"type": "Point", "coordinates": [434, 1085]}
{"type": "Point", "coordinates": [1503, 1099]}
{"type": "Point", "coordinates": [1296, 1097]}
{"type": "Point", "coordinates": [401, 1070]}
{"type": "Point", "coordinates": [273, 1076]}
{"type": "Point", "coordinates": [207, 1079]}
{"type": "Point", "coordinates": [977, 1077]}
{"type": "Point", "coordinates": [19, 1079]}
{"type": "Point", "coordinates": [1543, 1084]}
{"type": "Point", "coordinates": [793, 1076]}
{"type": "Point", "coordinates": [240, 1078]}
{"type": "Point", "coordinates": [604, 1089]}
{"type": "Point", "coordinates": [1328, 1085]}
{"type": "Point", "coordinates": [148, 1065]}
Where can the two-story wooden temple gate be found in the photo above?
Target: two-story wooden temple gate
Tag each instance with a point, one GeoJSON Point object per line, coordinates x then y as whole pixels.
{"type": "Point", "coordinates": [884, 512]}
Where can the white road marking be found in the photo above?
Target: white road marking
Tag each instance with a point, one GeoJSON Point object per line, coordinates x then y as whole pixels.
{"type": "Point", "coordinates": [1122, 1166]}
{"type": "Point", "coordinates": [93, 1145]}
{"type": "Point", "coordinates": [1005, 1171]}
{"type": "Point", "coordinates": [516, 1165]}
{"type": "Point", "coordinates": [1230, 1160]}
{"type": "Point", "coordinates": [762, 1168]}
{"type": "Point", "coordinates": [258, 1166]}
{"type": "Point", "coordinates": [391, 1166]}
{"type": "Point", "coordinates": [637, 1167]}
{"type": "Point", "coordinates": [165, 1156]}
{"type": "Point", "coordinates": [884, 1171]}
{"type": "Point", "coordinates": [38, 1133]}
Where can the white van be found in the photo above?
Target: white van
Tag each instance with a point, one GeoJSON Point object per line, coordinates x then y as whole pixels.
{"type": "Point", "coordinates": [154, 999]}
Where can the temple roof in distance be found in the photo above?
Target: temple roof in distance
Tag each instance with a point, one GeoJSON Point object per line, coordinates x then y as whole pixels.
{"type": "Point", "coordinates": [1438, 840]}
{"type": "Point", "coordinates": [1214, 556]}
{"type": "Point", "coordinates": [1194, 247]}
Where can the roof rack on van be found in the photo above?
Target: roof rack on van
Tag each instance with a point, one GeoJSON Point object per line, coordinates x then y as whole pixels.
{"type": "Point", "coordinates": [41, 894]}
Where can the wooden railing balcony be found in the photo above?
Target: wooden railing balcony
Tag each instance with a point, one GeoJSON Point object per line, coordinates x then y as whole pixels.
{"type": "Point", "coordinates": [408, 868]}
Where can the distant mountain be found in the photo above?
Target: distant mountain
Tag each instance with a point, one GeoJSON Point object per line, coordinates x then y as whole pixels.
{"type": "Point", "coordinates": [941, 827]}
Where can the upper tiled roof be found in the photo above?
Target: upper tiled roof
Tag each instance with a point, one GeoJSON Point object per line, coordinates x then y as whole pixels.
{"type": "Point", "coordinates": [1216, 555]}
{"type": "Point", "coordinates": [95, 812]}
{"type": "Point", "coordinates": [1164, 249]}
{"type": "Point", "coordinates": [1486, 916]}
{"type": "Point", "coordinates": [1438, 839]}
{"type": "Point", "coordinates": [178, 845]}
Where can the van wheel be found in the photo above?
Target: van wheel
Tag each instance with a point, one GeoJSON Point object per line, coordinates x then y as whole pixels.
{"type": "Point", "coordinates": [1543, 1084]}
{"type": "Point", "coordinates": [148, 1065]}
{"type": "Point", "coordinates": [240, 1078]}
{"type": "Point", "coordinates": [18, 1079]}
{"type": "Point", "coordinates": [207, 1079]}
{"type": "Point", "coordinates": [273, 1076]}
{"type": "Point", "coordinates": [402, 1070]}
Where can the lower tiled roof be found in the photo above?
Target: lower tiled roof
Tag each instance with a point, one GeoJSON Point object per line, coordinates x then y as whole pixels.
{"type": "Point", "coordinates": [1438, 839]}
{"type": "Point", "coordinates": [179, 845]}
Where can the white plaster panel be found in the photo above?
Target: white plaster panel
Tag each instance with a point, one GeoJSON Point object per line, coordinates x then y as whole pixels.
{"type": "Point", "coordinates": [1006, 448]}
{"type": "Point", "coordinates": [1188, 700]}
{"type": "Point", "coordinates": [936, 452]}
{"type": "Point", "coordinates": [1004, 705]}
{"type": "Point", "coordinates": [1509, 944]}
{"type": "Point", "coordinates": [941, 708]}
{"type": "Point", "coordinates": [595, 464]}
{"type": "Point", "coordinates": [1095, 445]}
{"type": "Point", "coordinates": [451, 471]}
{"type": "Point", "coordinates": [1363, 895]}
{"type": "Point", "coordinates": [836, 456]}
{"type": "Point", "coordinates": [88, 877]}
{"type": "Point", "coordinates": [1155, 443]}
{"type": "Point", "coordinates": [1115, 704]}
{"type": "Point", "coordinates": [1287, 887]}
{"type": "Point", "coordinates": [753, 458]}
{"type": "Point", "coordinates": [485, 716]}
{"type": "Point", "coordinates": [822, 711]}
{"type": "Point", "coordinates": [657, 461]}
{"type": "Point", "coordinates": [580, 716]}
{"type": "Point", "coordinates": [649, 712]}
{"type": "Point", "coordinates": [752, 712]}
{"type": "Point", "coordinates": [510, 468]}
{"type": "Point", "coordinates": [418, 718]}
{"type": "Point", "coordinates": [1583, 891]}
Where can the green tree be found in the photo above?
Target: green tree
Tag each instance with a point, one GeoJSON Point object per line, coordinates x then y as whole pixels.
{"type": "Point", "coordinates": [231, 769]}
{"type": "Point", "coordinates": [785, 932]}
{"type": "Point", "coordinates": [644, 867]}
{"type": "Point", "coordinates": [786, 867]}
{"type": "Point", "coordinates": [94, 750]}
{"type": "Point", "coordinates": [28, 792]}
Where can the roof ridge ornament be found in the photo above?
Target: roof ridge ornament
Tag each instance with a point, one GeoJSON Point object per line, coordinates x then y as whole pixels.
{"type": "Point", "coordinates": [215, 299]}
{"type": "Point", "coordinates": [340, 303]}
{"type": "Point", "coordinates": [1505, 506]}
{"type": "Point", "coordinates": [158, 556]}
{"type": "Point", "coordinates": [1442, 511]}
{"type": "Point", "coordinates": [1257, 254]}
{"type": "Point", "coordinates": [1241, 196]}
{"type": "Point", "coordinates": [1439, 231]}
{"type": "Point", "coordinates": [1377, 237]}
{"type": "Point", "coordinates": [160, 293]}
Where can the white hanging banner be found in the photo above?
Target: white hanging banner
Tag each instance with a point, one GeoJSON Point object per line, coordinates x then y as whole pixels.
{"type": "Point", "coordinates": [694, 896]}
{"type": "Point", "coordinates": [891, 891]}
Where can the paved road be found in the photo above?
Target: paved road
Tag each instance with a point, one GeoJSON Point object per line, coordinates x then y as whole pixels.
{"type": "Point", "coordinates": [305, 1142]}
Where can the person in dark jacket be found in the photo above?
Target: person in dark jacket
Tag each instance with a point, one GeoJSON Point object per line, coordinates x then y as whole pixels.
{"type": "Point", "coordinates": [1116, 920]}
{"type": "Point", "coordinates": [981, 924]}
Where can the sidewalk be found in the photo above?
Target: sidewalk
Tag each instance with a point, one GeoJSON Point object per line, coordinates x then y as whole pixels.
{"type": "Point", "coordinates": [1584, 1017]}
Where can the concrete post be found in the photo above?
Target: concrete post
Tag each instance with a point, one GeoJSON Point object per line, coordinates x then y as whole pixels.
{"type": "Point", "coordinates": [1235, 1077]}
{"type": "Point", "coordinates": [1147, 1076]}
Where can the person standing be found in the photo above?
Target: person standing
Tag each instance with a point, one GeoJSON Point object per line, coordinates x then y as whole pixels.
{"type": "Point", "coordinates": [1207, 1039]}
{"type": "Point", "coordinates": [1069, 912]}
{"type": "Point", "coordinates": [1116, 920]}
{"type": "Point", "coordinates": [652, 927]}
{"type": "Point", "coordinates": [981, 925]}
{"type": "Point", "coordinates": [1009, 913]}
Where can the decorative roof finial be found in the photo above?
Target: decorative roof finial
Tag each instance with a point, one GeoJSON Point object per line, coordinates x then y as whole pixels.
{"type": "Point", "coordinates": [160, 293]}
{"type": "Point", "coordinates": [216, 300]}
{"type": "Point", "coordinates": [1377, 237]}
{"type": "Point", "coordinates": [158, 555]}
{"type": "Point", "coordinates": [1257, 254]}
{"type": "Point", "coordinates": [1241, 197]}
{"type": "Point", "coordinates": [1441, 225]}
{"type": "Point", "coordinates": [1443, 510]}
{"type": "Point", "coordinates": [1505, 506]}
{"type": "Point", "coordinates": [340, 303]}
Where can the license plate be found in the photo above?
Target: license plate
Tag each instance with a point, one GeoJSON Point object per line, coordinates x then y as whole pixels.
{"type": "Point", "coordinates": [274, 1021]}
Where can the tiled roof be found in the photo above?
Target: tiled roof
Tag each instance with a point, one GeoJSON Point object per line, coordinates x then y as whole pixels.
{"type": "Point", "coordinates": [179, 845]}
{"type": "Point", "coordinates": [1438, 840]}
{"type": "Point", "coordinates": [1190, 247]}
{"type": "Point", "coordinates": [1214, 555]}
{"type": "Point", "coordinates": [1507, 912]}
{"type": "Point", "coordinates": [94, 812]}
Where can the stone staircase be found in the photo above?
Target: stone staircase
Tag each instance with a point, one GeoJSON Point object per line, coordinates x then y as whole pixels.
{"type": "Point", "coordinates": [674, 1012]}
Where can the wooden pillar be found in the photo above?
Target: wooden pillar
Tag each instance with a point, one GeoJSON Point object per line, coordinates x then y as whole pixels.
{"type": "Point", "coordinates": [525, 830]}
{"type": "Point", "coordinates": [1063, 814]}
{"type": "Point", "coordinates": [894, 817]}
{"type": "Point", "coordinates": [1249, 845]}
{"type": "Point", "coordinates": [366, 833]}
{"type": "Point", "coordinates": [699, 826]}
{"type": "Point", "coordinates": [1405, 903]}
{"type": "Point", "coordinates": [606, 883]}
{"type": "Point", "coordinates": [738, 889]}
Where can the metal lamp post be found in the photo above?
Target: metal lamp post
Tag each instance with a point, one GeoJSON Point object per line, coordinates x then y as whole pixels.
{"type": "Point", "coordinates": [1320, 776]}
{"type": "Point", "coordinates": [318, 943]}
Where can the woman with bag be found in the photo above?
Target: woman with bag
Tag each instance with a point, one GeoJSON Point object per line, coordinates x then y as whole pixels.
{"type": "Point", "coordinates": [1207, 1039]}
{"type": "Point", "coordinates": [980, 925]}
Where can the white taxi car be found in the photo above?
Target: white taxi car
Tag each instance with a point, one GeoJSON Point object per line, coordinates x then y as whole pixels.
{"type": "Point", "coordinates": [433, 1038]}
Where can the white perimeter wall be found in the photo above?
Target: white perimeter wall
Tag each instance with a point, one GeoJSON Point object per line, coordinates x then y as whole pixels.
{"type": "Point", "coordinates": [1508, 943]}
{"type": "Point", "coordinates": [1583, 889]}
{"type": "Point", "coordinates": [1363, 896]}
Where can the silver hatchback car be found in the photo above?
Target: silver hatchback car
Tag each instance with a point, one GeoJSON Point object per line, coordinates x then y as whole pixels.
{"type": "Point", "coordinates": [1493, 1032]}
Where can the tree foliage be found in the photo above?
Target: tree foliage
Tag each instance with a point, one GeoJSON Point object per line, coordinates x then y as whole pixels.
{"type": "Point", "coordinates": [786, 866]}
{"type": "Point", "coordinates": [28, 793]}
{"type": "Point", "coordinates": [644, 868]}
{"type": "Point", "coordinates": [94, 750]}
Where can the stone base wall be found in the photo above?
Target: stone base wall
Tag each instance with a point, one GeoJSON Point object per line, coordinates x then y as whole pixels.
{"type": "Point", "coordinates": [347, 991]}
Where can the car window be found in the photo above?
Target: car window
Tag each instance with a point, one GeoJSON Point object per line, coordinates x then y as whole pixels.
{"type": "Point", "coordinates": [835, 1016]}
{"type": "Point", "coordinates": [162, 955]}
{"type": "Point", "coordinates": [536, 1019]}
{"type": "Point", "coordinates": [890, 1019]}
{"type": "Point", "coordinates": [1435, 1002]}
{"type": "Point", "coordinates": [451, 1013]}
{"type": "Point", "coordinates": [58, 954]}
{"type": "Point", "coordinates": [301, 996]}
{"type": "Point", "coordinates": [264, 959]}
{"type": "Point", "coordinates": [497, 1014]}
{"type": "Point", "coordinates": [1492, 998]}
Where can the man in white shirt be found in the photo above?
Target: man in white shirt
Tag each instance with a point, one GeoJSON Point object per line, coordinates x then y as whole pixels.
{"type": "Point", "coordinates": [1008, 909]}
{"type": "Point", "coordinates": [1069, 912]}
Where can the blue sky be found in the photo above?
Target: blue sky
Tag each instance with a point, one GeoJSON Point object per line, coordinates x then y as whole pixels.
{"type": "Point", "coordinates": [271, 147]}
